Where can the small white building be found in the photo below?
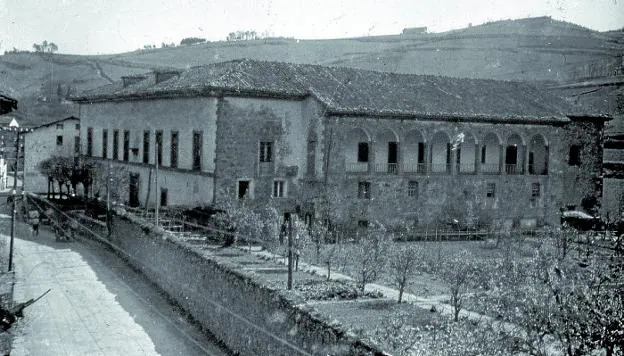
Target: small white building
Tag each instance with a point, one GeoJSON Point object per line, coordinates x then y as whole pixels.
{"type": "Point", "coordinates": [8, 120]}
{"type": "Point", "coordinates": [57, 138]}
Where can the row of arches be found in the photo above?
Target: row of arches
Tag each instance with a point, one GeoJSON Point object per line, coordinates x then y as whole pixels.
{"type": "Point", "coordinates": [443, 153]}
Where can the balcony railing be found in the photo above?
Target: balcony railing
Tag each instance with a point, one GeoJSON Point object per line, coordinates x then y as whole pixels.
{"type": "Point", "coordinates": [490, 168]}
{"type": "Point", "coordinates": [420, 168]}
{"type": "Point", "coordinates": [390, 168]}
{"type": "Point", "coordinates": [440, 168]}
{"type": "Point", "coordinates": [357, 167]}
{"type": "Point", "coordinates": [513, 169]}
{"type": "Point", "coordinates": [466, 168]}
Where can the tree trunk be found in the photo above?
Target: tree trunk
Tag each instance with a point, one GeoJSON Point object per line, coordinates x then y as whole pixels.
{"type": "Point", "coordinates": [401, 288]}
{"type": "Point", "coordinates": [328, 271]}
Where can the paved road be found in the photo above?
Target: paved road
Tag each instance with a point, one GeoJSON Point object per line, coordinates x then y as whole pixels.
{"type": "Point", "coordinates": [96, 306]}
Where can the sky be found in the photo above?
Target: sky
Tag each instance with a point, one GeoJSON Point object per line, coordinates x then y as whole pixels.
{"type": "Point", "coordinates": [115, 26]}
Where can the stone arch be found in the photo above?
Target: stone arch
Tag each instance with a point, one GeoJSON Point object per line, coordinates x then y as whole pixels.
{"type": "Point", "coordinates": [414, 152]}
{"type": "Point", "coordinates": [490, 155]}
{"type": "Point", "coordinates": [466, 153]}
{"type": "Point", "coordinates": [357, 150]}
{"type": "Point", "coordinates": [386, 147]}
{"type": "Point", "coordinates": [514, 154]}
{"type": "Point", "coordinates": [538, 155]}
{"type": "Point", "coordinates": [440, 152]}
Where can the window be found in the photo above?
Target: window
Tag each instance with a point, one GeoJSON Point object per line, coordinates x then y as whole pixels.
{"type": "Point", "coordinates": [59, 126]}
{"type": "Point", "coordinates": [146, 146]}
{"type": "Point", "coordinates": [76, 145]}
{"type": "Point", "coordinates": [197, 150]}
{"type": "Point", "coordinates": [363, 152]}
{"type": "Point", "coordinates": [364, 190]}
{"type": "Point", "coordinates": [174, 149]}
{"type": "Point", "coordinates": [244, 189]}
{"type": "Point", "coordinates": [159, 141]}
{"type": "Point", "coordinates": [421, 152]}
{"type": "Point", "coordinates": [163, 196]}
{"type": "Point", "coordinates": [59, 140]}
{"type": "Point", "coordinates": [279, 189]}
{"type": "Point", "coordinates": [126, 146]}
{"type": "Point", "coordinates": [266, 151]}
{"type": "Point", "coordinates": [363, 224]}
{"type": "Point", "coordinates": [490, 190]}
{"type": "Point", "coordinates": [412, 189]}
{"type": "Point", "coordinates": [535, 190]}
{"type": "Point", "coordinates": [483, 152]}
{"type": "Point", "coordinates": [574, 158]}
{"type": "Point", "coordinates": [116, 144]}
{"type": "Point", "coordinates": [77, 126]}
{"type": "Point", "coordinates": [104, 143]}
{"type": "Point", "coordinates": [90, 141]}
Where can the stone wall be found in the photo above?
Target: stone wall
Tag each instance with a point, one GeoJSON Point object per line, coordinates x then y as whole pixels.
{"type": "Point", "coordinates": [7, 282]}
{"type": "Point", "coordinates": [245, 122]}
{"type": "Point", "coordinates": [246, 316]}
{"type": "Point", "coordinates": [439, 193]}
{"type": "Point", "coordinates": [613, 201]}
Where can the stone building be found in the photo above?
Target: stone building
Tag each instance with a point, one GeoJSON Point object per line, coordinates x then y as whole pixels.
{"type": "Point", "coordinates": [389, 147]}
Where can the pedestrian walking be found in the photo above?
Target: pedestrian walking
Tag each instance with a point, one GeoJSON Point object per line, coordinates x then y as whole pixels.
{"type": "Point", "coordinates": [34, 221]}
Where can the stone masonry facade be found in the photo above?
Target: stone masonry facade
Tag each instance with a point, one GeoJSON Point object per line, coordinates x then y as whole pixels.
{"type": "Point", "coordinates": [290, 145]}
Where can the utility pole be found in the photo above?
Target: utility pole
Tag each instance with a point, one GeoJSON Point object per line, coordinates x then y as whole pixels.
{"type": "Point", "coordinates": [290, 253]}
{"type": "Point", "coordinates": [109, 226]}
{"type": "Point", "coordinates": [156, 158]}
{"type": "Point", "coordinates": [14, 192]}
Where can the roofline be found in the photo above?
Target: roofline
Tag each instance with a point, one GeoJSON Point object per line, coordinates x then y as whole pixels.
{"type": "Point", "coordinates": [56, 122]}
{"type": "Point", "coordinates": [595, 117]}
{"type": "Point", "coordinates": [189, 93]}
{"type": "Point", "coordinates": [451, 117]}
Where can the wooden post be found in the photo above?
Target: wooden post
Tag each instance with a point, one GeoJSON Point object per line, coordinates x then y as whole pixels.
{"type": "Point", "coordinates": [290, 254]}
{"type": "Point", "coordinates": [14, 212]}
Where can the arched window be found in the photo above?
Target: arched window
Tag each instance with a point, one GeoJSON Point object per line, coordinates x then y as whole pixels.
{"type": "Point", "coordinates": [490, 154]}
{"type": "Point", "coordinates": [466, 154]}
{"type": "Point", "coordinates": [538, 155]}
{"type": "Point", "coordinates": [514, 155]}
{"type": "Point", "coordinates": [386, 152]}
{"type": "Point", "coordinates": [440, 153]}
{"type": "Point", "coordinates": [414, 149]}
{"type": "Point", "coordinates": [357, 151]}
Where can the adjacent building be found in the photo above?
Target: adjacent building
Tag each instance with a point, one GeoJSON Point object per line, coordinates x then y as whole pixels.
{"type": "Point", "coordinates": [56, 138]}
{"type": "Point", "coordinates": [386, 146]}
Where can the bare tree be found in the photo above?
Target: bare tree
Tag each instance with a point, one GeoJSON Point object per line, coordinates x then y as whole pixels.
{"type": "Point", "coordinates": [458, 272]}
{"type": "Point", "coordinates": [404, 263]}
{"type": "Point", "coordinates": [370, 255]}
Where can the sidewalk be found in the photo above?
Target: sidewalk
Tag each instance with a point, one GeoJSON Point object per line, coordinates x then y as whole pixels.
{"type": "Point", "coordinates": [97, 305]}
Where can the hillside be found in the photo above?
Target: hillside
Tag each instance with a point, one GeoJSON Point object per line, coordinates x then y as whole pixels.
{"type": "Point", "coordinates": [535, 49]}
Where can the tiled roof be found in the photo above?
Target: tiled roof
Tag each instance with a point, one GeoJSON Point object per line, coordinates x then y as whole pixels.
{"type": "Point", "coordinates": [7, 104]}
{"type": "Point", "coordinates": [349, 91]}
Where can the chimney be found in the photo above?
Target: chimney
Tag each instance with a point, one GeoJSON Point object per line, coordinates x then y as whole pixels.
{"type": "Point", "coordinates": [132, 79]}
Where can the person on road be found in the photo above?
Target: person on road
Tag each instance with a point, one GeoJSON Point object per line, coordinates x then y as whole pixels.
{"type": "Point", "coordinates": [34, 221]}
{"type": "Point", "coordinates": [35, 226]}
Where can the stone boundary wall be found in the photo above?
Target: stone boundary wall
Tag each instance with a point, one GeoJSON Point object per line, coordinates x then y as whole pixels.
{"type": "Point", "coordinates": [7, 284]}
{"type": "Point", "coordinates": [249, 318]}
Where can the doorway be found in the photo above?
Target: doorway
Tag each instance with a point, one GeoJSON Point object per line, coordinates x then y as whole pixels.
{"type": "Point", "coordinates": [133, 191]}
